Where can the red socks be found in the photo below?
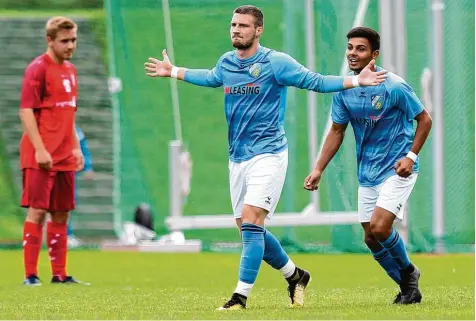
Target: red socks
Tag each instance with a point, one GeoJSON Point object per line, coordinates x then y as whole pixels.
{"type": "Point", "coordinates": [57, 241]}
{"type": "Point", "coordinates": [32, 237]}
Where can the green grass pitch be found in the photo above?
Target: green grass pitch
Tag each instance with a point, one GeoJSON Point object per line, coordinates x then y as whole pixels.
{"type": "Point", "coordinates": [190, 286]}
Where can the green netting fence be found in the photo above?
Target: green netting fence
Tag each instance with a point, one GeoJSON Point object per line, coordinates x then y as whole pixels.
{"type": "Point", "coordinates": [200, 35]}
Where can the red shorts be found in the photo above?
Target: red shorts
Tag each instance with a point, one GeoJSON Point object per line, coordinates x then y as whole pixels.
{"type": "Point", "coordinates": [49, 190]}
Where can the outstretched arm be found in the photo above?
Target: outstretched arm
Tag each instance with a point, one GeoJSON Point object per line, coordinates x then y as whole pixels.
{"type": "Point", "coordinates": [200, 77]}
{"type": "Point", "coordinates": [289, 72]}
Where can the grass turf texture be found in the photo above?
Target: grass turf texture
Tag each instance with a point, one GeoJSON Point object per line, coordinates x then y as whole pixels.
{"type": "Point", "coordinates": [191, 286]}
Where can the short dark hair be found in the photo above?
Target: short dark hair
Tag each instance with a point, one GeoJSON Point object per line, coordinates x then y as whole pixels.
{"type": "Point", "coordinates": [254, 11]}
{"type": "Point", "coordinates": [363, 32]}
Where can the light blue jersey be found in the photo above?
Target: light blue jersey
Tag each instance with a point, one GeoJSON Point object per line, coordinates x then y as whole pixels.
{"type": "Point", "coordinates": [382, 119]}
{"type": "Point", "coordinates": [255, 97]}
{"type": "Point", "coordinates": [83, 143]}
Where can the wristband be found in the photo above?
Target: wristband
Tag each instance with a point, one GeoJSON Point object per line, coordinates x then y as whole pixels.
{"type": "Point", "coordinates": [355, 81]}
{"type": "Point", "coordinates": [412, 156]}
{"type": "Point", "coordinates": [174, 72]}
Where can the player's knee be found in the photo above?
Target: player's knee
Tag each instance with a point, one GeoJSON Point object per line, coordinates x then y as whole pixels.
{"type": "Point", "coordinates": [380, 230]}
{"type": "Point", "coordinates": [370, 240]}
{"type": "Point", "coordinates": [60, 217]}
{"type": "Point", "coordinates": [250, 218]}
{"type": "Point", "coordinates": [238, 223]}
{"type": "Point", "coordinates": [253, 215]}
{"type": "Point", "coordinates": [36, 215]}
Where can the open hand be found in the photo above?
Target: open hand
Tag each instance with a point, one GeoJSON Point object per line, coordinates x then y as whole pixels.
{"type": "Point", "coordinates": [370, 77]}
{"type": "Point", "coordinates": [159, 68]}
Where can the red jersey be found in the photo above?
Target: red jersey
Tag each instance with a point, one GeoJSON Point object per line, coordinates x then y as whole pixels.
{"type": "Point", "coordinates": [50, 90]}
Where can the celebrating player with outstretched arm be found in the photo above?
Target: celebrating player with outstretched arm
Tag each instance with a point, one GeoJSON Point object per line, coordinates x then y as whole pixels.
{"type": "Point", "coordinates": [387, 156]}
{"type": "Point", "coordinates": [49, 149]}
{"type": "Point", "coordinates": [255, 80]}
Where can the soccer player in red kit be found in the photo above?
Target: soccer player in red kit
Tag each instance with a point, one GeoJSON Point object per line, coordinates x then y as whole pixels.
{"type": "Point", "coordinates": [50, 153]}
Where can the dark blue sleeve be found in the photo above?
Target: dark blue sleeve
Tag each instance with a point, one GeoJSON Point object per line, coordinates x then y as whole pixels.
{"type": "Point", "coordinates": [404, 98]}
{"type": "Point", "coordinates": [288, 72]}
{"type": "Point", "coordinates": [205, 77]}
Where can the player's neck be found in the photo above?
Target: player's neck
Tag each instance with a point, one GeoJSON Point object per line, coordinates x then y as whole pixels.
{"type": "Point", "coordinates": [247, 53]}
{"type": "Point", "coordinates": [53, 57]}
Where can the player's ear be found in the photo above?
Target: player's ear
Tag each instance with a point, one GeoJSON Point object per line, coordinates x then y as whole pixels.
{"type": "Point", "coordinates": [259, 31]}
{"type": "Point", "coordinates": [49, 40]}
{"type": "Point", "coordinates": [375, 54]}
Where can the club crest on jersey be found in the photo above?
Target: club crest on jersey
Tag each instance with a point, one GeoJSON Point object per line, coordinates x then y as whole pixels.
{"type": "Point", "coordinates": [377, 101]}
{"type": "Point", "coordinates": [255, 70]}
{"type": "Point", "coordinates": [67, 85]}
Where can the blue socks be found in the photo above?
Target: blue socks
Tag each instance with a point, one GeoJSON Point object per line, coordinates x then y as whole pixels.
{"type": "Point", "coordinates": [274, 253]}
{"type": "Point", "coordinates": [252, 253]}
{"type": "Point", "coordinates": [260, 245]}
{"type": "Point", "coordinates": [388, 264]}
{"type": "Point", "coordinates": [395, 247]}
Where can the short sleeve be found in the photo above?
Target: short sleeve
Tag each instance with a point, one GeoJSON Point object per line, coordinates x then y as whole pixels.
{"type": "Point", "coordinates": [340, 114]}
{"type": "Point", "coordinates": [405, 99]}
{"type": "Point", "coordinates": [33, 86]}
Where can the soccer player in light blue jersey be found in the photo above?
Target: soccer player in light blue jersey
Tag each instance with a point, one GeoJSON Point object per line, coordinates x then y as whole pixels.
{"type": "Point", "coordinates": [387, 157]}
{"type": "Point", "coordinates": [255, 80]}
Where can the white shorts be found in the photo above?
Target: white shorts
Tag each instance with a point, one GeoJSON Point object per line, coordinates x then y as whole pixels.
{"type": "Point", "coordinates": [258, 182]}
{"type": "Point", "coordinates": [391, 195]}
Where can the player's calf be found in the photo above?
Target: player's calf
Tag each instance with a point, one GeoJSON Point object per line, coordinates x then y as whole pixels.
{"type": "Point", "coordinates": [383, 257]}
{"type": "Point", "coordinates": [277, 258]}
{"type": "Point", "coordinates": [32, 239]}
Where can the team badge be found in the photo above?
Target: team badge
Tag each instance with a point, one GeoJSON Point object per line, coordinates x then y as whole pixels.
{"type": "Point", "coordinates": [255, 70]}
{"type": "Point", "coordinates": [377, 101]}
{"type": "Point", "coordinates": [67, 85]}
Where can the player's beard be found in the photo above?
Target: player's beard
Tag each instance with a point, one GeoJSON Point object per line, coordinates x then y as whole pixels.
{"type": "Point", "coordinates": [245, 45]}
{"type": "Point", "coordinates": [357, 69]}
